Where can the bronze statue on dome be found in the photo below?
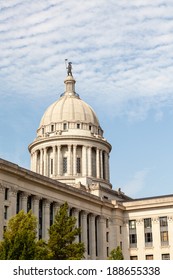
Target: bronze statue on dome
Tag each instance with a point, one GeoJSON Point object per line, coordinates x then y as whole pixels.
{"type": "Point", "coordinates": [68, 67]}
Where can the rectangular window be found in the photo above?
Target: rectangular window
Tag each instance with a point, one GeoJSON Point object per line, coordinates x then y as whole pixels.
{"type": "Point", "coordinates": [107, 251]}
{"type": "Point", "coordinates": [147, 223]}
{"type": "Point", "coordinates": [107, 236]}
{"type": "Point", "coordinates": [120, 229]}
{"type": "Point", "coordinates": [29, 203]}
{"type": "Point", "coordinates": [133, 258]}
{"type": "Point", "coordinates": [6, 193]}
{"type": "Point", "coordinates": [5, 212]}
{"type": "Point", "coordinates": [163, 222]}
{"type": "Point", "coordinates": [65, 165]}
{"type": "Point", "coordinates": [107, 223]}
{"type": "Point", "coordinates": [148, 237]}
{"type": "Point", "coordinates": [78, 125]}
{"type": "Point", "coordinates": [121, 245]}
{"type": "Point", "coordinates": [133, 240]}
{"type": "Point", "coordinates": [52, 128]}
{"type": "Point", "coordinates": [149, 257]}
{"type": "Point", "coordinates": [65, 126]}
{"type": "Point", "coordinates": [89, 127]}
{"type": "Point", "coordinates": [51, 166]}
{"type": "Point", "coordinates": [165, 256]}
{"type": "Point", "coordinates": [78, 165]}
{"type": "Point", "coordinates": [43, 130]}
{"type": "Point", "coordinates": [132, 224]}
{"type": "Point", "coordinates": [164, 237]}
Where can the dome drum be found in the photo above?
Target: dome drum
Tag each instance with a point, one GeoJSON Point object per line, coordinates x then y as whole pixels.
{"type": "Point", "coordinates": [69, 127]}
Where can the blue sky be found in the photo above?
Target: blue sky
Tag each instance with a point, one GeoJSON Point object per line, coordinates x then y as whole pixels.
{"type": "Point", "coordinates": [122, 54]}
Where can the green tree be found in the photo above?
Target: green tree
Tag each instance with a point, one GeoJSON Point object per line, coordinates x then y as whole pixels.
{"type": "Point", "coordinates": [116, 254]}
{"type": "Point", "coordinates": [62, 236]}
{"type": "Point", "coordinates": [19, 241]}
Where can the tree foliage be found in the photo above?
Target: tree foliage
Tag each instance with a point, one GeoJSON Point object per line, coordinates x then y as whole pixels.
{"type": "Point", "coordinates": [116, 254]}
{"type": "Point", "coordinates": [62, 236]}
{"type": "Point", "coordinates": [20, 238]}
{"type": "Point", "coordinates": [19, 241]}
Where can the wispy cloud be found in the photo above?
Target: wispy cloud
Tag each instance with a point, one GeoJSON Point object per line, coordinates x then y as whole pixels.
{"type": "Point", "coordinates": [122, 52]}
{"type": "Point", "coordinates": [137, 183]}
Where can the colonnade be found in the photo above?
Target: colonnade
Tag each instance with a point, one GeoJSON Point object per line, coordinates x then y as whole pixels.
{"type": "Point", "coordinates": [93, 226]}
{"type": "Point", "coordinates": [92, 161]}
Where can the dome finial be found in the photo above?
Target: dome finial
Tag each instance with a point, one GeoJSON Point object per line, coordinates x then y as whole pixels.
{"type": "Point", "coordinates": [68, 67]}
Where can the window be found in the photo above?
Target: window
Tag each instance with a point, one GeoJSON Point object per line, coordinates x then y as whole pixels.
{"type": "Point", "coordinates": [133, 240]}
{"type": "Point", "coordinates": [107, 236]}
{"type": "Point", "coordinates": [43, 130]}
{"type": "Point", "coordinates": [65, 165]}
{"type": "Point", "coordinates": [89, 127]}
{"type": "Point", "coordinates": [165, 256]}
{"type": "Point", "coordinates": [164, 231]}
{"type": "Point", "coordinates": [121, 245]}
{"type": "Point", "coordinates": [149, 257]}
{"type": "Point", "coordinates": [51, 214]}
{"type": "Point", "coordinates": [51, 166]}
{"type": "Point", "coordinates": [5, 212]}
{"type": "Point", "coordinates": [52, 128]}
{"type": "Point", "coordinates": [163, 221]}
{"type": "Point", "coordinates": [107, 251]}
{"type": "Point", "coordinates": [133, 258]}
{"type": "Point", "coordinates": [65, 126]}
{"type": "Point", "coordinates": [107, 223]}
{"type": "Point", "coordinates": [6, 193]}
{"type": "Point", "coordinates": [147, 223]}
{"type": "Point", "coordinates": [120, 229]}
{"type": "Point", "coordinates": [78, 125]}
{"type": "Point", "coordinates": [78, 165]}
{"type": "Point", "coordinates": [29, 203]}
{"type": "Point", "coordinates": [132, 224]}
{"type": "Point", "coordinates": [164, 237]}
{"type": "Point", "coordinates": [148, 237]}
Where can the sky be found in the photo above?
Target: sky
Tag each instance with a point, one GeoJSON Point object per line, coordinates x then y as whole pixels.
{"type": "Point", "coordinates": [122, 55]}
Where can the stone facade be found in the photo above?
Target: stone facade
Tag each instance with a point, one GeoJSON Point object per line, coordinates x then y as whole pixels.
{"type": "Point", "coordinates": [70, 162]}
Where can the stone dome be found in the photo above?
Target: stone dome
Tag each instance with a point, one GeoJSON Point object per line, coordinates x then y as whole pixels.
{"type": "Point", "coordinates": [69, 112]}
{"type": "Point", "coordinates": [69, 108]}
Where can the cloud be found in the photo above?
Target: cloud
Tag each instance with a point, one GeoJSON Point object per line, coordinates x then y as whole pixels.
{"type": "Point", "coordinates": [137, 183]}
{"type": "Point", "coordinates": [122, 52]}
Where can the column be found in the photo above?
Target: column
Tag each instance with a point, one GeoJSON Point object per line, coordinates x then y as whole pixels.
{"type": "Point", "coordinates": [13, 201]}
{"type": "Point", "coordinates": [101, 164]}
{"type": "Point", "coordinates": [45, 161]}
{"type": "Point", "coordinates": [31, 166]}
{"type": "Point", "coordinates": [56, 207]}
{"type": "Point", "coordinates": [106, 166]}
{"type": "Point", "coordinates": [74, 159]}
{"type": "Point", "coordinates": [89, 161]}
{"type": "Point", "coordinates": [54, 160]}
{"type": "Point", "coordinates": [69, 163]}
{"type": "Point", "coordinates": [92, 237]}
{"type": "Point", "coordinates": [156, 236]}
{"type": "Point", "coordinates": [35, 161]}
{"type": "Point", "coordinates": [46, 218]}
{"type": "Point", "coordinates": [35, 209]}
{"type": "Point", "coordinates": [2, 193]}
{"type": "Point", "coordinates": [98, 163]}
{"type": "Point", "coordinates": [75, 214]}
{"type": "Point", "coordinates": [102, 238]}
{"type": "Point", "coordinates": [59, 160]}
{"type": "Point", "coordinates": [24, 199]}
{"type": "Point", "coordinates": [41, 161]}
{"type": "Point", "coordinates": [84, 232]}
{"type": "Point", "coordinates": [84, 161]}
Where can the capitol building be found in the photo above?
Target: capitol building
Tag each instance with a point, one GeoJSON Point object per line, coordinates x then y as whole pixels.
{"type": "Point", "coordinates": [70, 162]}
